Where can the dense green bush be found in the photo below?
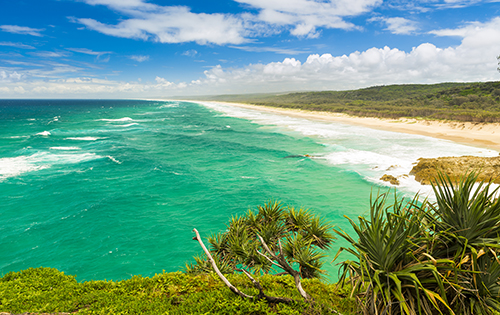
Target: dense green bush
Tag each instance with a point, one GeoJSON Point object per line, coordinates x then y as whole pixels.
{"type": "Point", "coordinates": [47, 290]}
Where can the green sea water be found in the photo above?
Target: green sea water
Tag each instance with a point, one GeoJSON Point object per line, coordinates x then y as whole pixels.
{"type": "Point", "coordinates": [107, 189]}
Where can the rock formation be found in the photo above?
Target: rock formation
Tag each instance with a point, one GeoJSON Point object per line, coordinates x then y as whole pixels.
{"type": "Point", "coordinates": [389, 178]}
{"type": "Point", "coordinates": [455, 167]}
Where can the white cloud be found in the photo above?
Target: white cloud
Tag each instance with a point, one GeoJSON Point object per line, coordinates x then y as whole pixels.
{"type": "Point", "coordinates": [23, 30]}
{"type": "Point", "coordinates": [190, 53]}
{"type": "Point", "coordinates": [398, 25]}
{"type": "Point", "coordinates": [85, 87]}
{"type": "Point", "coordinates": [10, 76]}
{"type": "Point", "coordinates": [473, 60]}
{"type": "Point", "coordinates": [139, 58]}
{"type": "Point", "coordinates": [163, 82]}
{"type": "Point", "coordinates": [177, 24]}
{"type": "Point", "coordinates": [174, 24]}
{"type": "Point", "coordinates": [89, 51]}
{"type": "Point", "coordinates": [49, 54]}
{"type": "Point", "coordinates": [16, 45]}
{"type": "Point", "coordinates": [308, 15]}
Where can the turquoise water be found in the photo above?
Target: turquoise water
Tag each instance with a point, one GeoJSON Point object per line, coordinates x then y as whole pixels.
{"type": "Point", "coordinates": [110, 189]}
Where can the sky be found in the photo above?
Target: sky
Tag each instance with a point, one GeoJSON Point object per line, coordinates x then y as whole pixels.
{"type": "Point", "coordinates": [160, 48]}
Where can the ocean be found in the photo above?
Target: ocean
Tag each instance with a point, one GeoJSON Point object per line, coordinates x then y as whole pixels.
{"type": "Point", "coordinates": [108, 189]}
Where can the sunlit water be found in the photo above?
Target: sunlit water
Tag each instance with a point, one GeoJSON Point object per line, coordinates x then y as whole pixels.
{"type": "Point", "coordinates": [111, 189]}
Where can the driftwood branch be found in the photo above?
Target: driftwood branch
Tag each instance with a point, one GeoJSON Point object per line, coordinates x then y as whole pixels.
{"type": "Point", "coordinates": [217, 271]}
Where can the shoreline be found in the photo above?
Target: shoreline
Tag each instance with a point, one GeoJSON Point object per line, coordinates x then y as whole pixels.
{"type": "Point", "coordinates": [482, 135]}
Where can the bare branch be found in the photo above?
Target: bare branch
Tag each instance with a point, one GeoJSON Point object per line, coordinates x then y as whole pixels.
{"type": "Point", "coordinates": [285, 266]}
{"type": "Point", "coordinates": [269, 259]}
{"type": "Point", "coordinates": [217, 271]}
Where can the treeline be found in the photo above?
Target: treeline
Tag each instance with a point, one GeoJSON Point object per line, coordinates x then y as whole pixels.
{"type": "Point", "coordinates": [473, 102]}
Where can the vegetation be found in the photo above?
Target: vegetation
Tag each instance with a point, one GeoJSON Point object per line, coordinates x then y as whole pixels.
{"type": "Point", "coordinates": [423, 258]}
{"type": "Point", "coordinates": [258, 242]}
{"type": "Point", "coordinates": [474, 102]}
{"type": "Point", "coordinates": [410, 257]}
{"type": "Point", "coordinates": [46, 290]}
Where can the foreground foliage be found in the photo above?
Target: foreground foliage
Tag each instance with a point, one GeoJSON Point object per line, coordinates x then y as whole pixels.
{"type": "Point", "coordinates": [423, 258]}
{"type": "Point", "coordinates": [47, 290]}
{"type": "Point", "coordinates": [275, 239]}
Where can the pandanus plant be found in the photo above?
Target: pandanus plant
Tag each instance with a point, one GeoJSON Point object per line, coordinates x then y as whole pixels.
{"type": "Point", "coordinates": [274, 239]}
{"type": "Point", "coordinates": [428, 258]}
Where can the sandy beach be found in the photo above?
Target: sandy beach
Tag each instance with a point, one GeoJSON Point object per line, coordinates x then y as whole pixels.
{"type": "Point", "coordinates": [475, 134]}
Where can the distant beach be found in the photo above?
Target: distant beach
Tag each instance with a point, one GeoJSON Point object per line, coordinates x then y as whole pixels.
{"type": "Point", "coordinates": [484, 135]}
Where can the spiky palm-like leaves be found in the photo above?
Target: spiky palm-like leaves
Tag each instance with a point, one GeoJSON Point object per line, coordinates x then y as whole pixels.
{"type": "Point", "coordinates": [423, 258]}
{"type": "Point", "coordinates": [467, 218]}
{"type": "Point", "coordinates": [298, 235]}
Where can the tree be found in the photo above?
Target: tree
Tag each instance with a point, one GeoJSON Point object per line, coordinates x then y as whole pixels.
{"type": "Point", "coordinates": [272, 240]}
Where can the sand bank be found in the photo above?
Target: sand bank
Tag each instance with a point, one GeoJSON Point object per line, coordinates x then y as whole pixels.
{"type": "Point", "coordinates": [484, 135]}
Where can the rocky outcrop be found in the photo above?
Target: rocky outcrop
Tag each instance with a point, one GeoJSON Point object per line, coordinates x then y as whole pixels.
{"type": "Point", "coordinates": [389, 178]}
{"type": "Point", "coordinates": [455, 167]}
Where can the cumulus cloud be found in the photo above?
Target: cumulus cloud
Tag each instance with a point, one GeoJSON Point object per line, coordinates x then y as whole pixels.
{"type": "Point", "coordinates": [23, 30]}
{"type": "Point", "coordinates": [10, 76]}
{"type": "Point", "coordinates": [473, 60]}
{"type": "Point", "coordinates": [78, 87]}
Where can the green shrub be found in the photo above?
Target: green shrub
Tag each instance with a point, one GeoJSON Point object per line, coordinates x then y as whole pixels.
{"type": "Point", "coordinates": [423, 258]}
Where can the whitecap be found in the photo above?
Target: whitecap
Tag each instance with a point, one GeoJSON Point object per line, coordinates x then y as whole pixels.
{"type": "Point", "coordinates": [16, 166]}
{"type": "Point", "coordinates": [44, 133]}
{"type": "Point", "coordinates": [54, 120]}
{"type": "Point", "coordinates": [169, 105]}
{"type": "Point", "coordinates": [113, 159]}
{"type": "Point", "coordinates": [368, 152]}
{"type": "Point", "coordinates": [120, 119]}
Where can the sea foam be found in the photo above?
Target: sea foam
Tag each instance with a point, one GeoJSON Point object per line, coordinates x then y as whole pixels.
{"type": "Point", "coordinates": [16, 166]}
{"type": "Point", "coordinates": [119, 119]}
{"type": "Point", "coordinates": [369, 152]}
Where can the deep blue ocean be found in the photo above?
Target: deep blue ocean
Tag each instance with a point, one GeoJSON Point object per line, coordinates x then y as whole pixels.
{"type": "Point", "coordinates": [107, 189]}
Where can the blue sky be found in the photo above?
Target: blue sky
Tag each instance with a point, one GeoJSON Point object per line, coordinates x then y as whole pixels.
{"type": "Point", "coordinates": [141, 48]}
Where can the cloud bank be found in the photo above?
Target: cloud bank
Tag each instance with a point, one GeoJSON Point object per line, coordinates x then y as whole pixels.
{"type": "Point", "coordinates": [473, 60]}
